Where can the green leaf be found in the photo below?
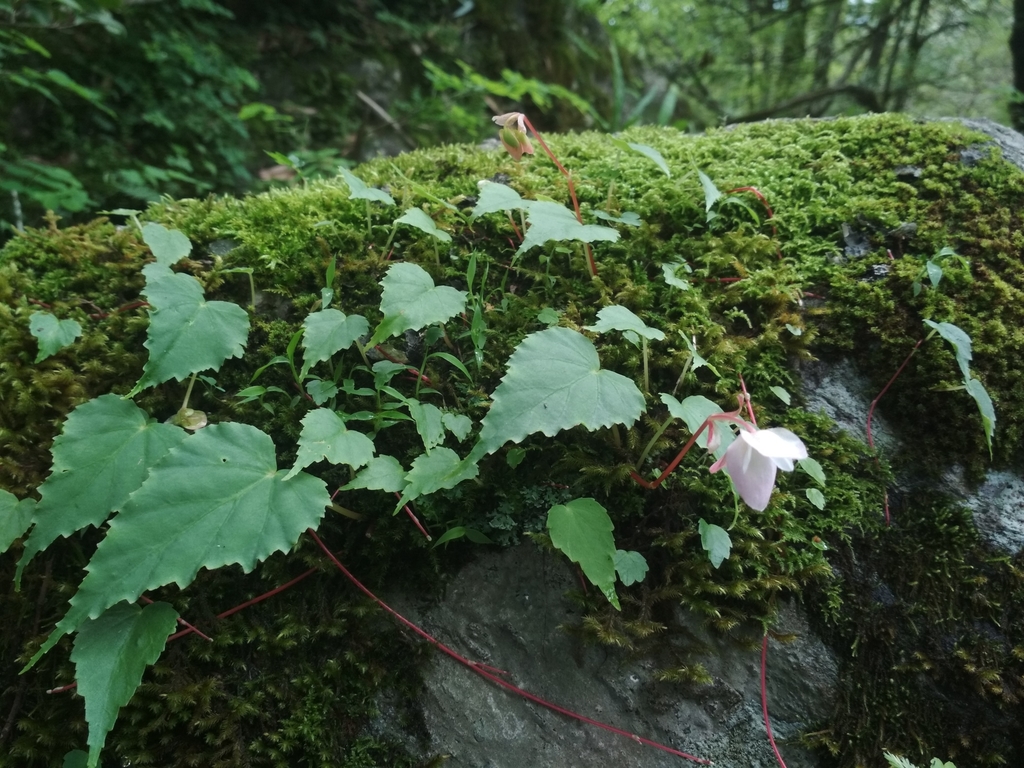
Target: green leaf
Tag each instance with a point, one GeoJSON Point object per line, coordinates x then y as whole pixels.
{"type": "Point", "coordinates": [813, 468]}
{"type": "Point", "coordinates": [411, 301]}
{"type": "Point", "coordinates": [782, 394]}
{"type": "Point", "coordinates": [216, 499]}
{"type": "Point", "coordinates": [960, 342]}
{"type": "Point", "coordinates": [110, 654]}
{"type": "Point", "coordinates": [515, 456]}
{"type": "Point", "coordinates": [325, 436]}
{"type": "Point", "coordinates": [429, 422]}
{"type": "Point", "coordinates": [616, 318]}
{"type": "Point", "coordinates": [187, 334]}
{"type": "Point", "coordinates": [711, 193]}
{"type": "Point", "coordinates": [15, 518]}
{"type": "Point", "coordinates": [548, 316]}
{"type": "Point", "coordinates": [694, 411]}
{"type": "Point", "coordinates": [988, 412]}
{"type": "Point", "coordinates": [52, 334]}
{"type": "Point", "coordinates": [816, 497]}
{"type": "Point", "coordinates": [631, 566]}
{"type": "Point", "coordinates": [555, 382]}
{"type": "Point", "coordinates": [169, 246]}
{"type": "Point", "coordinates": [329, 331]}
{"type": "Point", "coordinates": [76, 758]}
{"type": "Point", "coordinates": [649, 152]}
{"type": "Point", "coordinates": [359, 191]}
{"type": "Point", "coordinates": [458, 424]}
{"type": "Point", "coordinates": [794, 329]}
{"type": "Point", "coordinates": [629, 218]}
{"type": "Point", "coordinates": [442, 468]}
{"type": "Point", "coordinates": [321, 391]}
{"type": "Point", "coordinates": [458, 532]}
{"type": "Point", "coordinates": [102, 455]}
{"type": "Point", "coordinates": [715, 541]}
{"type": "Point", "coordinates": [553, 221]}
{"type": "Point", "coordinates": [934, 272]}
{"type": "Point", "coordinates": [582, 530]}
{"type": "Point", "coordinates": [698, 361]}
{"type": "Point", "coordinates": [669, 272]}
{"type": "Point", "coordinates": [383, 473]}
{"type": "Point", "coordinates": [497, 197]}
{"type": "Point", "coordinates": [415, 217]}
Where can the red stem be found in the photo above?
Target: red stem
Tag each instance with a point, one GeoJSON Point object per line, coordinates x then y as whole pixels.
{"type": "Point", "coordinates": [572, 189]}
{"type": "Point", "coordinates": [746, 399]}
{"type": "Point", "coordinates": [871, 415]}
{"type": "Point", "coordinates": [181, 621]}
{"type": "Point", "coordinates": [764, 700]}
{"type": "Point", "coordinates": [415, 520]}
{"type": "Point", "coordinates": [768, 208]}
{"type": "Point", "coordinates": [671, 467]}
{"type": "Point", "coordinates": [480, 670]}
{"type": "Point", "coordinates": [423, 379]}
{"type": "Point", "coordinates": [512, 221]}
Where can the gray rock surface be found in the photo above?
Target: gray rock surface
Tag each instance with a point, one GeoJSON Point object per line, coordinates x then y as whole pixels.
{"type": "Point", "coordinates": [506, 610]}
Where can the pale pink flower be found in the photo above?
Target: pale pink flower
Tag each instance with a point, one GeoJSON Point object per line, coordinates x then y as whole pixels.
{"type": "Point", "coordinates": [513, 134]}
{"type": "Point", "coordinates": [752, 460]}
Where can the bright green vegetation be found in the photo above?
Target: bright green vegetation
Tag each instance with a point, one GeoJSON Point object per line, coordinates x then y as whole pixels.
{"type": "Point", "coordinates": [917, 605]}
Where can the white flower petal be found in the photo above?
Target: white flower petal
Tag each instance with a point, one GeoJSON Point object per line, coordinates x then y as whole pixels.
{"type": "Point", "coordinates": [752, 473]}
{"type": "Point", "coordinates": [776, 443]}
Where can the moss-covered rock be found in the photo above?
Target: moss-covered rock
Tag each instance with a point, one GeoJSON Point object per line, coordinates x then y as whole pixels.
{"type": "Point", "coordinates": [929, 618]}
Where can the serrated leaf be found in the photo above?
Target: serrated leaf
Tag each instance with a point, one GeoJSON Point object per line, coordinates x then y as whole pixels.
{"type": "Point", "coordinates": [51, 334]}
{"type": "Point", "coordinates": [816, 497]}
{"type": "Point", "coordinates": [329, 331]}
{"type": "Point", "coordinates": [169, 246]}
{"type": "Point", "coordinates": [429, 422]}
{"type": "Point", "coordinates": [960, 342]}
{"type": "Point", "coordinates": [629, 218]}
{"type": "Point", "coordinates": [442, 468]}
{"type": "Point", "coordinates": [383, 473]}
{"type": "Point", "coordinates": [582, 530]}
{"type": "Point", "coordinates": [631, 566]}
{"type": "Point", "coordinates": [15, 518]}
{"type": "Point", "coordinates": [215, 499]}
{"type": "Point", "coordinates": [415, 217]}
{"type": "Point", "coordinates": [988, 412]}
{"type": "Point", "coordinates": [711, 193]}
{"type": "Point", "coordinates": [102, 455]}
{"type": "Point", "coordinates": [782, 394]}
{"type": "Point", "coordinates": [616, 318]}
{"type": "Point", "coordinates": [813, 468]}
{"type": "Point", "coordinates": [411, 301]}
{"type": "Point", "coordinates": [649, 152]}
{"type": "Point", "coordinates": [555, 382]}
{"type": "Point", "coordinates": [110, 654]}
{"type": "Point", "coordinates": [187, 334]}
{"type": "Point", "coordinates": [321, 391]}
{"type": "Point", "coordinates": [669, 272]}
{"type": "Point", "coordinates": [358, 190]}
{"type": "Point", "coordinates": [325, 436]}
{"type": "Point", "coordinates": [554, 222]}
{"type": "Point", "coordinates": [694, 411]}
{"type": "Point", "coordinates": [715, 541]}
{"type": "Point", "coordinates": [458, 424]}
{"type": "Point", "coordinates": [498, 197]}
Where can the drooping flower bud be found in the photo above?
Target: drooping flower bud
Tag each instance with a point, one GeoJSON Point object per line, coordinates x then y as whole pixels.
{"type": "Point", "coordinates": [513, 134]}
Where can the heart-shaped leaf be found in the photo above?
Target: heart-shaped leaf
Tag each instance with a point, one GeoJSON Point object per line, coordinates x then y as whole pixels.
{"type": "Point", "coordinates": [357, 189]}
{"type": "Point", "coordinates": [169, 246]}
{"type": "Point", "coordinates": [616, 318]}
{"type": "Point", "coordinates": [15, 518]}
{"type": "Point", "coordinates": [715, 541]}
{"type": "Point", "coordinates": [497, 197]}
{"type": "Point", "coordinates": [51, 334]}
{"type": "Point", "coordinates": [328, 332]}
{"type": "Point", "coordinates": [411, 301]}
{"type": "Point", "coordinates": [631, 566]}
{"type": "Point", "coordinates": [383, 473]}
{"type": "Point", "coordinates": [414, 217]}
{"type": "Point", "coordinates": [325, 436]}
{"type": "Point", "coordinates": [552, 221]}
{"type": "Point", "coordinates": [187, 334]}
{"type": "Point", "coordinates": [441, 468]}
{"type": "Point", "coordinates": [555, 382]}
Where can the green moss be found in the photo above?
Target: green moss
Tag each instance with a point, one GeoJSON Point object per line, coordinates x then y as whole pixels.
{"type": "Point", "coordinates": [764, 294]}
